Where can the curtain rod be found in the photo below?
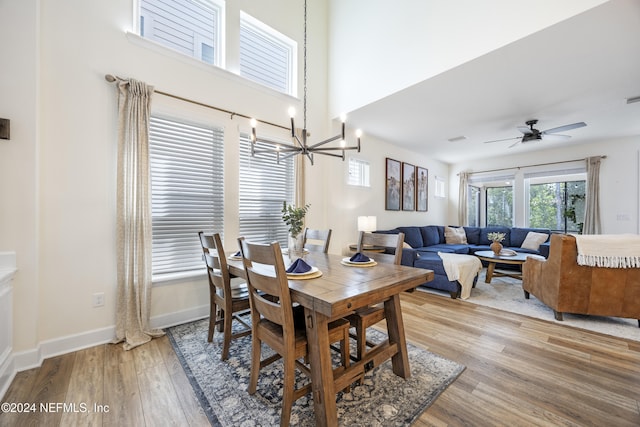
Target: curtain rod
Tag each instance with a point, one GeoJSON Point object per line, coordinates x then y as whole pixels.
{"type": "Point", "coordinates": [110, 78]}
{"type": "Point", "coordinates": [531, 166]}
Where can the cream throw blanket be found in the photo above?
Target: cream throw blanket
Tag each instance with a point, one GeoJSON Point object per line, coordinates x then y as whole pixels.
{"type": "Point", "coordinates": [463, 268]}
{"type": "Point", "coordinates": [609, 250]}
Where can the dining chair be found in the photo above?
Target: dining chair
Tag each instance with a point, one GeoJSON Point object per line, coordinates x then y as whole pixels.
{"type": "Point", "coordinates": [368, 316]}
{"type": "Point", "coordinates": [228, 300]}
{"type": "Point", "coordinates": [317, 240]}
{"type": "Point", "coordinates": [278, 324]}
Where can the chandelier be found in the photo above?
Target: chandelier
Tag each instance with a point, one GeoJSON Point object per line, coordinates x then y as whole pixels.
{"type": "Point", "coordinates": [300, 145]}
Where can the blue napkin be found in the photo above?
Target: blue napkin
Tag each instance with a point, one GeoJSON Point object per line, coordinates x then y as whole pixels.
{"type": "Point", "coordinates": [299, 266]}
{"type": "Point", "coordinates": [358, 257]}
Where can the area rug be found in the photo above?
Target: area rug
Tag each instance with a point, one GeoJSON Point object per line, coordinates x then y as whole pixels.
{"type": "Point", "coordinates": [383, 399]}
{"type": "Point", "coordinates": [505, 293]}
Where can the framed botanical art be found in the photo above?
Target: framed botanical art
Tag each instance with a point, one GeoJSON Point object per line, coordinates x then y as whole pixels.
{"type": "Point", "coordinates": [392, 185]}
{"type": "Point", "coordinates": [408, 187]}
{"type": "Point", "coordinates": [422, 189]}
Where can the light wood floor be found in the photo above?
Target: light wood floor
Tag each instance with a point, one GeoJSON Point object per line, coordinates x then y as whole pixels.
{"type": "Point", "coordinates": [519, 372]}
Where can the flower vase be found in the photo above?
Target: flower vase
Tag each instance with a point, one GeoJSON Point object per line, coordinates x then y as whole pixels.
{"type": "Point", "coordinates": [295, 246]}
{"type": "Point", "coordinates": [496, 247]}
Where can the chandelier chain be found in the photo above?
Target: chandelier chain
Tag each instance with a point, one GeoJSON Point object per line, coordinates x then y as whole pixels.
{"type": "Point", "coordinates": [304, 105]}
{"type": "Point", "coordinates": [299, 143]}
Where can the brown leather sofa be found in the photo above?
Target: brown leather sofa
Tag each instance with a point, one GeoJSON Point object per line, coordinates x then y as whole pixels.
{"type": "Point", "coordinates": [567, 287]}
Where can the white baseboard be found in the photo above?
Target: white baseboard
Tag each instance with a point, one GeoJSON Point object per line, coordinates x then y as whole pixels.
{"type": "Point", "coordinates": [28, 359]}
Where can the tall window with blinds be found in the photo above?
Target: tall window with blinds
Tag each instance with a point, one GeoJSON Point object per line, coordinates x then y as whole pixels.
{"type": "Point", "coordinates": [264, 185]}
{"type": "Point", "coordinates": [193, 28]}
{"type": "Point", "coordinates": [266, 56]}
{"type": "Point", "coordinates": [187, 192]}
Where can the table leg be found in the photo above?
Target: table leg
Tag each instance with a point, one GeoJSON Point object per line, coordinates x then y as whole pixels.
{"type": "Point", "coordinates": [490, 268]}
{"type": "Point", "coordinates": [395, 328]}
{"type": "Point", "coordinates": [324, 396]}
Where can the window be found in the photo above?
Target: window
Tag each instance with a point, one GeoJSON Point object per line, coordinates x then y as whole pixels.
{"type": "Point", "coordinates": [187, 192]}
{"type": "Point", "coordinates": [264, 185]}
{"type": "Point", "coordinates": [192, 27]}
{"type": "Point", "coordinates": [558, 206]}
{"type": "Point", "coordinates": [499, 206]}
{"type": "Point", "coordinates": [358, 173]}
{"type": "Point", "coordinates": [267, 56]}
{"type": "Point", "coordinates": [440, 185]}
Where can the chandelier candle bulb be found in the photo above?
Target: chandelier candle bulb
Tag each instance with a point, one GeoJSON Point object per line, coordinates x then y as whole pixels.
{"type": "Point", "coordinates": [292, 113]}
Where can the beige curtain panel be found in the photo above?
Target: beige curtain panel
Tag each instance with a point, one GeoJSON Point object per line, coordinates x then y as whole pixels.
{"type": "Point", "coordinates": [133, 304]}
{"type": "Point", "coordinates": [592, 202]}
{"type": "Point", "coordinates": [462, 199]}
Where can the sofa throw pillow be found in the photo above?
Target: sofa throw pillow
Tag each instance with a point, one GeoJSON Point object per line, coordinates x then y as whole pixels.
{"type": "Point", "coordinates": [455, 235]}
{"type": "Point", "coordinates": [534, 240]}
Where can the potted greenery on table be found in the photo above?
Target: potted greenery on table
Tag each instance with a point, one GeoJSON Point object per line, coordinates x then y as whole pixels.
{"type": "Point", "coordinates": [294, 218]}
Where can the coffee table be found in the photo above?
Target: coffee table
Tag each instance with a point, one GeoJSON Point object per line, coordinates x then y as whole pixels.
{"type": "Point", "coordinates": [493, 259]}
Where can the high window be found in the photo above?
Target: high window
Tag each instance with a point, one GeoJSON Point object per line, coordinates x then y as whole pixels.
{"type": "Point", "coordinates": [192, 27]}
{"type": "Point", "coordinates": [267, 56]}
{"type": "Point", "coordinates": [187, 192]}
{"type": "Point", "coordinates": [264, 185]}
{"type": "Point", "coordinates": [359, 174]}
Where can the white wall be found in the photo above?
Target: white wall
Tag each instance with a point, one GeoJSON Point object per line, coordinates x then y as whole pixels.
{"type": "Point", "coordinates": [19, 102]}
{"type": "Point", "coordinates": [345, 203]}
{"type": "Point", "coordinates": [59, 170]}
{"type": "Point", "coordinates": [619, 179]}
{"type": "Point", "coordinates": [380, 47]}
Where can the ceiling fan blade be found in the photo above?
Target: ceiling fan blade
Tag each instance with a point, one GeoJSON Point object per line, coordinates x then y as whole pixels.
{"type": "Point", "coordinates": [565, 128]}
{"type": "Point", "coordinates": [525, 130]}
{"type": "Point", "coordinates": [500, 140]}
{"type": "Point", "coordinates": [555, 137]}
{"type": "Point", "coordinates": [514, 144]}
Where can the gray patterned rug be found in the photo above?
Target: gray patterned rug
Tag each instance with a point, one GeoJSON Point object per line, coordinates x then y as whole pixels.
{"type": "Point", "coordinates": [383, 399]}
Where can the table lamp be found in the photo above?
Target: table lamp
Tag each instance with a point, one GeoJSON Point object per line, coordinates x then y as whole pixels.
{"type": "Point", "coordinates": [367, 223]}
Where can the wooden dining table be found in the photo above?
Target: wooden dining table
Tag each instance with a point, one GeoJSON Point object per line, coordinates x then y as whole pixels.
{"type": "Point", "coordinates": [338, 292]}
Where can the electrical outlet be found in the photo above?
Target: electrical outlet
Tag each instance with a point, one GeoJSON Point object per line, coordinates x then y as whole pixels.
{"type": "Point", "coordinates": [98, 299]}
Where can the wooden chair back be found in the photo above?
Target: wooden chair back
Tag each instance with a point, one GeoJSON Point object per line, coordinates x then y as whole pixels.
{"type": "Point", "coordinates": [268, 285]}
{"type": "Point", "coordinates": [394, 241]}
{"type": "Point", "coordinates": [224, 305]}
{"type": "Point", "coordinates": [216, 261]}
{"type": "Point", "coordinates": [317, 240]}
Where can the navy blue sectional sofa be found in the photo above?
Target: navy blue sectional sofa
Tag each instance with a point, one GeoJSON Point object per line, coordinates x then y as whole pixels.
{"type": "Point", "coordinates": [427, 241]}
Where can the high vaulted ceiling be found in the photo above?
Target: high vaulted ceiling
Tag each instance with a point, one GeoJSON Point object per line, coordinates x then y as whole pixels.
{"type": "Point", "coordinates": [580, 70]}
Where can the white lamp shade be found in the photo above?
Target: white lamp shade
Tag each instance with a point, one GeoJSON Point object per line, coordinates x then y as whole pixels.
{"type": "Point", "coordinates": [367, 223]}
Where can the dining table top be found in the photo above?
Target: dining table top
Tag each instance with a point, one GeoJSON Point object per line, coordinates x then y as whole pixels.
{"type": "Point", "coordinates": [344, 287]}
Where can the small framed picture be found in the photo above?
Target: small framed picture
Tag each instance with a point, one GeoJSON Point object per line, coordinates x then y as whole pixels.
{"type": "Point", "coordinates": [422, 189]}
{"type": "Point", "coordinates": [392, 185]}
{"type": "Point", "coordinates": [408, 187]}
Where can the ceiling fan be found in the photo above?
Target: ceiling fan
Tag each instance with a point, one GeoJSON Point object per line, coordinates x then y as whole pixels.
{"type": "Point", "coordinates": [531, 134]}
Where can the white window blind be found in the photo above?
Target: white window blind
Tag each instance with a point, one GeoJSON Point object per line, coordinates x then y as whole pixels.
{"type": "Point", "coordinates": [264, 186]}
{"type": "Point", "coordinates": [266, 56]}
{"type": "Point", "coordinates": [192, 27]}
{"type": "Point", "coordinates": [187, 191]}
